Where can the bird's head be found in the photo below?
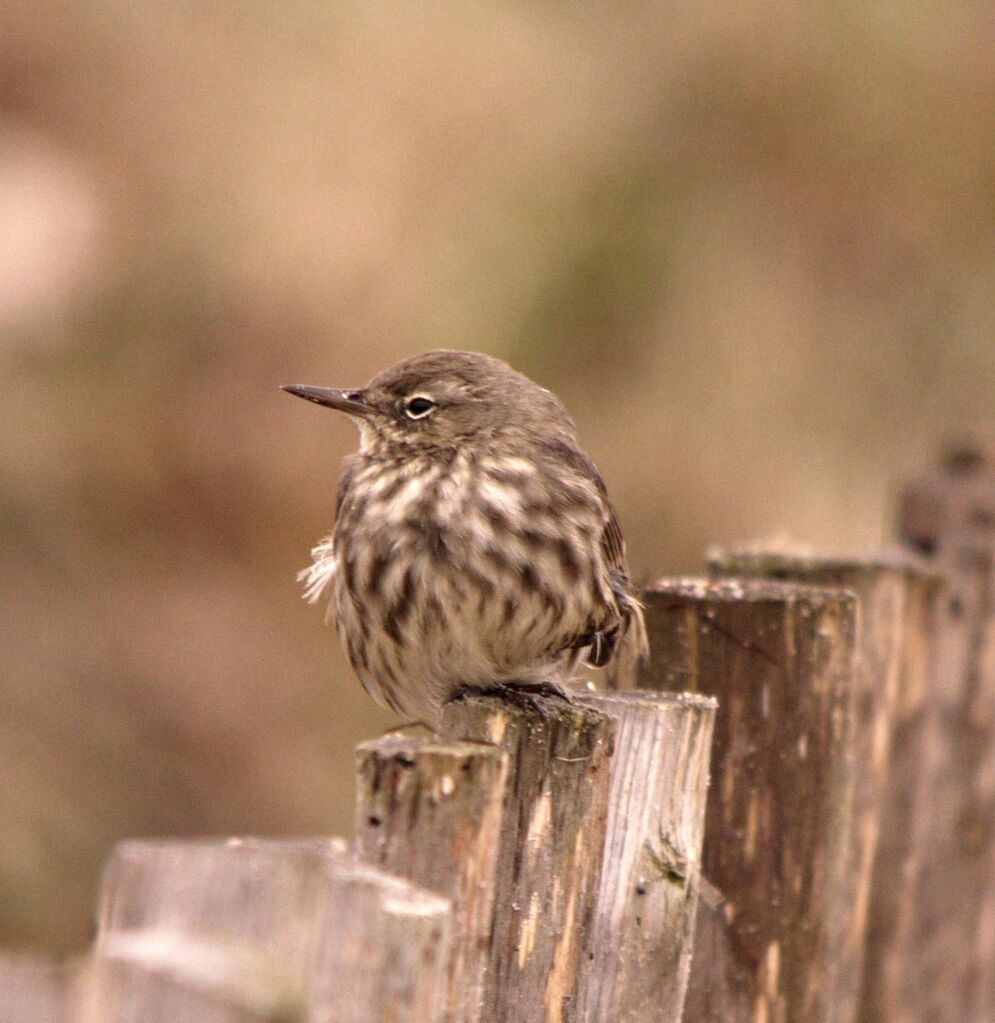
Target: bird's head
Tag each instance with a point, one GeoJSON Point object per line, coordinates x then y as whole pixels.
{"type": "Point", "coordinates": [441, 400]}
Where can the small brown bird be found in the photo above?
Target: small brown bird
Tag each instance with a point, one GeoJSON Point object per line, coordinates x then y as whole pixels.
{"type": "Point", "coordinates": [474, 544]}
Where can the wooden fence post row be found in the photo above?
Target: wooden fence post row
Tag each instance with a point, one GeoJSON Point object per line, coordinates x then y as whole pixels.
{"type": "Point", "coordinates": [541, 861]}
{"type": "Point", "coordinates": [549, 873]}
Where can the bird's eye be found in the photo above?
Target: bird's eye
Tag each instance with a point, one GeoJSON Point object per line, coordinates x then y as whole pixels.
{"type": "Point", "coordinates": [418, 407]}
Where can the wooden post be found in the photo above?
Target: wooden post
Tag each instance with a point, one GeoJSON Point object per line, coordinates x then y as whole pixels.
{"type": "Point", "coordinates": [383, 950]}
{"type": "Point", "coordinates": [550, 850]}
{"type": "Point", "coordinates": [431, 811]}
{"type": "Point", "coordinates": [889, 694]}
{"type": "Point", "coordinates": [949, 516]}
{"type": "Point", "coordinates": [891, 943]}
{"type": "Point", "coordinates": [780, 660]}
{"type": "Point", "coordinates": [638, 952]}
{"type": "Point", "coordinates": [166, 977]}
{"type": "Point", "coordinates": [32, 989]}
{"type": "Point", "coordinates": [365, 946]}
{"type": "Point", "coordinates": [253, 889]}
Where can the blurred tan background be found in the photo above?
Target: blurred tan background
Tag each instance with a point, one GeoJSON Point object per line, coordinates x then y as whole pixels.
{"type": "Point", "coordinates": [751, 246]}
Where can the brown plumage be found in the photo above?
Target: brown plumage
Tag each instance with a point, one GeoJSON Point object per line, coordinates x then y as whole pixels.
{"type": "Point", "coordinates": [474, 544]}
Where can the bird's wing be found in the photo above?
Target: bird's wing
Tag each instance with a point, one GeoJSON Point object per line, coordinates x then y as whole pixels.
{"type": "Point", "coordinates": [631, 628]}
{"type": "Point", "coordinates": [612, 543]}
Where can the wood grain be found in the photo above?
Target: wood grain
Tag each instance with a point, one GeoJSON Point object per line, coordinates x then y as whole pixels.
{"type": "Point", "coordinates": [431, 811]}
{"type": "Point", "coordinates": [638, 951]}
{"type": "Point", "coordinates": [780, 660]}
{"type": "Point", "coordinates": [363, 946]}
{"type": "Point", "coordinates": [896, 599]}
{"type": "Point", "coordinates": [551, 846]}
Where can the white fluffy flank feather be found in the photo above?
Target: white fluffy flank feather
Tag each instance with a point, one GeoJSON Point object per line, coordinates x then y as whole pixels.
{"type": "Point", "coordinates": [318, 576]}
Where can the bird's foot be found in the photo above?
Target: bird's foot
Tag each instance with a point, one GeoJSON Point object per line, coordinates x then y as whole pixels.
{"type": "Point", "coordinates": [518, 692]}
{"type": "Point", "coordinates": [464, 691]}
{"type": "Point", "coordinates": [542, 688]}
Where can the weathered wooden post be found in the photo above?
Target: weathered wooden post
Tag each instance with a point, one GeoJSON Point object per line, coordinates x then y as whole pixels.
{"type": "Point", "coordinates": [889, 745]}
{"type": "Point", "coordinates": [365, 947]}
{"type": "Point", "coordinates": [382, 950]}
{"type": "Point", "coordinates": [638, 951]}
{"type": "Point", "coordinates": [33, 989]}
{"type": "Point", "coordinates": [550, 849]}
{"type": "Point", "coordinates": [891, 945]}
{"type": "Point", "coordinates": [949, 516]}
{"type": "Point", "coordinates": [780, 660]}
{"type": "Point", "coordinates": [252, 889]}
{"type": "Point", "coordinates": [431, 811]}
{"type": "Point", "coordinates": [167, 977]}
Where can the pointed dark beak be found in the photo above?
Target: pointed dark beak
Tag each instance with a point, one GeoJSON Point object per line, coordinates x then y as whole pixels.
{"type": "Point", "coordinates": [350, 402]}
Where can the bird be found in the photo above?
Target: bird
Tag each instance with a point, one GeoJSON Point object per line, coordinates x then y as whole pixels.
{"type": "Point", "coordinates": [475, 547]}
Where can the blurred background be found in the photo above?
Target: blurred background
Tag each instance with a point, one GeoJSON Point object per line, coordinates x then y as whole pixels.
{"type": "Point", "coordinates": [751, 246]}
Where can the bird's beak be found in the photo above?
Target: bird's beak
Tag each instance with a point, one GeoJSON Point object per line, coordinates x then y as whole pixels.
{"type": "Point", "coordinates": [350, 402]}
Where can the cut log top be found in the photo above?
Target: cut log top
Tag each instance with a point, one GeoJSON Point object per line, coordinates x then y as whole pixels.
{"type": "Point", "coordinates": [750, 613]}
{"type": "Point", "coordinates": [743, 591]}
{"type": "Point", "coordinates": [790, 563]}
{"type": "Point", "coordinates": [614, 703]}
{"type": "Point", "coordinates": [403, 748]}
{"type": "Point", "coordinates": [571, 731]}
